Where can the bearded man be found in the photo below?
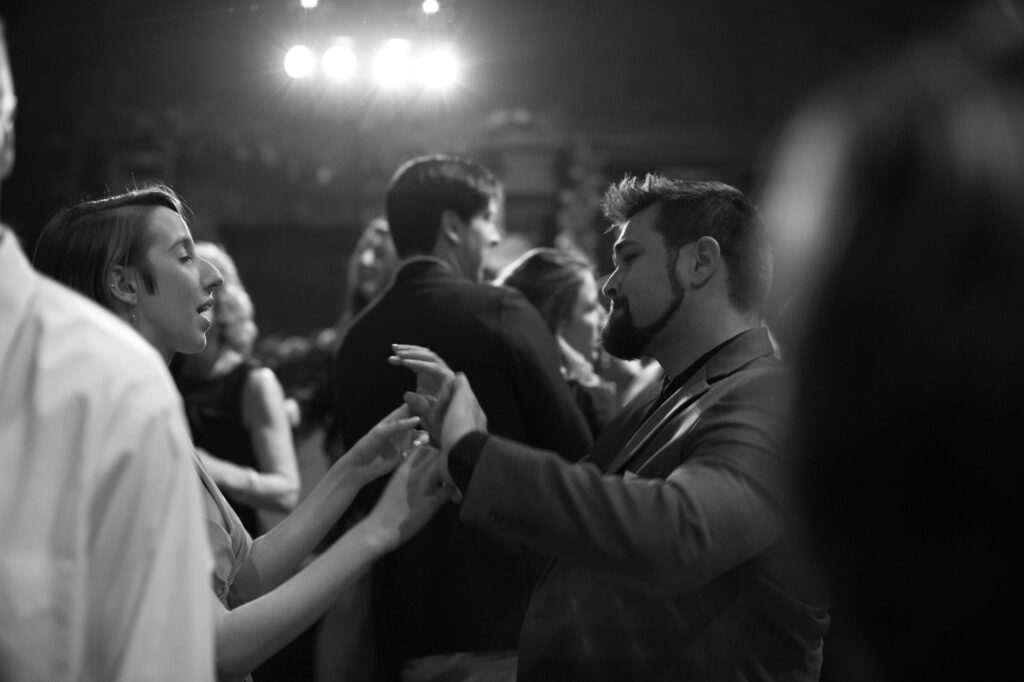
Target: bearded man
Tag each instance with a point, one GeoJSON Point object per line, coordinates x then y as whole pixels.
{"type": "Point", "coordinates": [674, 543]}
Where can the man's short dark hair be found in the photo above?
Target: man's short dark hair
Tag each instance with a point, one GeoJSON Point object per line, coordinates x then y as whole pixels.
{"type": "Point", "coordinates": [689, 210]}
{"type": "Point", "coordinates": [423, 188]}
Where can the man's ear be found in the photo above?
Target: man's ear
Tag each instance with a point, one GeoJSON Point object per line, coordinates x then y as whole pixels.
{"type": "Point", "coordinates": [707, 255]}
{"type": "Point", "coordinates": [451, 227]}
{"type": "Point", "coordinates": [123, 285]}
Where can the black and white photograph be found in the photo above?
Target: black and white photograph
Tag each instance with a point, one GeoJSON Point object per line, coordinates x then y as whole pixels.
{"type": "Point", "coordinates": [510, 340]}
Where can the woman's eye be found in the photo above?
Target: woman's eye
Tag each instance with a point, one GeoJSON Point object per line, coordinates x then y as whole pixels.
{"type": "Point", "coordinates": [185, 259]}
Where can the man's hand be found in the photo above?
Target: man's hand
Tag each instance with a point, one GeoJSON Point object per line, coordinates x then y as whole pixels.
{"type": "Point", "coordinates": [458, 411]}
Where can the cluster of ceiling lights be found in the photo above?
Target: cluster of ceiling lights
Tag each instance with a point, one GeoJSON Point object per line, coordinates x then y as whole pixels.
{"type": "Point", "coordinates": [428, 6]}
{"type": "Point", "coordinates": [395, 65]}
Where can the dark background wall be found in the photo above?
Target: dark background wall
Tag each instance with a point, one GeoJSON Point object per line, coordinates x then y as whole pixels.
{"type": "Point", "coordinates": [559, 95]}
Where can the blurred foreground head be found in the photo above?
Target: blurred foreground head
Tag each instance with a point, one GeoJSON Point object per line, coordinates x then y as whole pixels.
{"type": "Point", "coordinates": [899, 205]}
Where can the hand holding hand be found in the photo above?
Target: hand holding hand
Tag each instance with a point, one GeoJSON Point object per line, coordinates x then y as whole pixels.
{"type": "Point", "coordinates": [458, 412]}
{"type": "Point", "coordinates": [411, 498]}
{"type": "Point", "coordinates": [432, 374]}
{"type": "Point", "coordinates": [380, 450]}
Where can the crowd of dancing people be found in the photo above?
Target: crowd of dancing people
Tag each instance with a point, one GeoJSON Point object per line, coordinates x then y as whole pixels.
{"type": "Point", "coordinates": [773, 443]}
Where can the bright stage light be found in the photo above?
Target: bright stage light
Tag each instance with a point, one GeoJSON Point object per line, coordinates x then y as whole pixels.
{"type": "Point", "coordinates": [309, 4]}
{"type": "Point", "coordinates": [431, 6]}
{"type": "Point", "coordinates": [339, 61]}
{"type": "Point", "coordinates": [438, 69]}
{"type": "Point", "coordinates": [391, 66]}
{"type": "Point", "coordinates": [299, 62]}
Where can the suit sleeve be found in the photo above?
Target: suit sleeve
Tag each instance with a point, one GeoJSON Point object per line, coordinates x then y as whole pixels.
{"type": "Point", "coordinates": [721, 506]}
{"type": "Point", "coordinates": [550, 416]}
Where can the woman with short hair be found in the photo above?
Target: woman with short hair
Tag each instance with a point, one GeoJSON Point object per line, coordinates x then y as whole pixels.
{"type": "Point", "coordinates": [133, 253]}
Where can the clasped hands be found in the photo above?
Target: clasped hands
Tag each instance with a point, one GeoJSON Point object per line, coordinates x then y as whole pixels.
{"type": "Point", "coordinates": [443, 405]}
{"type": "Point", "coordinates": [443, 401]}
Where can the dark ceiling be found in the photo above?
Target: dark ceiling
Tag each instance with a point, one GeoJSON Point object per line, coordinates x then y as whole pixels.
{"type": "Point", "coordinates": [649, 80]}
{"type": "Point", "coordinates": [698, 85]}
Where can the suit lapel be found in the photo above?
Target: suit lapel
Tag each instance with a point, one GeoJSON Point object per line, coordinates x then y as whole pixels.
{"type": "Point", "coordinates": [750, 346]}
{"type": "Point", "coordinates": [679, 400]}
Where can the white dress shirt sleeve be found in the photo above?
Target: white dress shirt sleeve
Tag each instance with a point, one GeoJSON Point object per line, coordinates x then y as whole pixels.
{"type": "Point", "coordinates": [158, 606]}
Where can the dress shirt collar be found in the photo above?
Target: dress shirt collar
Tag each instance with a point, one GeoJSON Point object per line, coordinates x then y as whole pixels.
{"type": "Point", "coordinates": [670, 385]}
{"type": "Point", "coordinates": [412, 260]}
{"type": "Point", "coordinates": [17, 287]}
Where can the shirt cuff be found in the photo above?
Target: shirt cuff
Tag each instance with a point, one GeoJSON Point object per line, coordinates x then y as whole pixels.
{"type": "Point", "coordinates": [462, 459]}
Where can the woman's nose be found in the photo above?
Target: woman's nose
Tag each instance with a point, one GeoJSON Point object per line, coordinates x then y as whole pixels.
{"type": "Point", "coordinates": [213, 278]}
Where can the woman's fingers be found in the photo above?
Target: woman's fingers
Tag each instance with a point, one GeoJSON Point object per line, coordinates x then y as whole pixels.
{"type": "Point", "coordinates": [416, 353]}
{"type": "Point", "coordinates": [416, 456]}
{"type": "Point", "coordinates": [390, 437]}
{"type": "Point", "coordinates": [419, 353]}
{"type": "Point", "coordinates": [388, 428]}
{"type": "Point", "coordinates": [419, 405]}
{"type": "Point", "coordinates": [429, 367]}
{"type": "Point", "coordinates": [400, 412]}
{"type": "Point", "coordinates": [411, 348]}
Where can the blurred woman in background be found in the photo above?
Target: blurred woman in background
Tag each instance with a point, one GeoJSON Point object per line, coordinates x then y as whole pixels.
{"type": "Point", "coordinates": [133, 253]}
{"type": "Point", "coordinates": [562, 288]}
{"type": "Point", "coordinates": [342, 650]}
{"type": "Point", "coordinates": [236, 407]}
{"type": "Point", "coordinates": [370, 268]}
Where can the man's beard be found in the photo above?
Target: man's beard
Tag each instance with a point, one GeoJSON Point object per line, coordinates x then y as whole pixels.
{"type": "Point", "coordinates": [623, 339]}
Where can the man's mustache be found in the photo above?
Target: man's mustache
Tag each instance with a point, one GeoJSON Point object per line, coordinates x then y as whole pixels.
{"type": "Point", "coordinates": [618, 304]}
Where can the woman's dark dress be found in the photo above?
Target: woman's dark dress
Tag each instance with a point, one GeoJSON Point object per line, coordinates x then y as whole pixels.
{"type": "Point", "coordinates": [214, 410]}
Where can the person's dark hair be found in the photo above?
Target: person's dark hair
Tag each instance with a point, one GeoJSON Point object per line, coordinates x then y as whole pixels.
{"type": "Point", "coordinates": [550, 280]}
{"type": "Point", "coordinates": [82, 242]}
{"type": "Point", "coordinates": [689, 210]}
{"type": "Point", "coordinates": [910, 375]}
{"type": "Point", "coordinates": [424, 188]}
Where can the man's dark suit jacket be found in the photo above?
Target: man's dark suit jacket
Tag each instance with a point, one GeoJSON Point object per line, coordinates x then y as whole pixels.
{"type": "Point", "coordinates": [454, 588]}
{"type": "Point", "coordinates": [672, 560]}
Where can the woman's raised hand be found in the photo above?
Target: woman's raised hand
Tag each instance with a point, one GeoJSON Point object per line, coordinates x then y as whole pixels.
{"type": "Point", "coordinates": [380, 450]}
{"type": "Point", "coordinates": [432, 377]}
{"type": "Point", "coordinates": [411, 498]}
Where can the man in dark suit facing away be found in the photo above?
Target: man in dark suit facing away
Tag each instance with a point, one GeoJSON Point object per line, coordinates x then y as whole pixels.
{"type": "Point", "coordinates": [675, 558]}
{"type": "Point", "coordinates": [455, 595]}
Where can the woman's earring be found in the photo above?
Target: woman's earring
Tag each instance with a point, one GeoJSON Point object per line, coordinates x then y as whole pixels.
{"type": "Point", "coordinates": [133, 319]}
